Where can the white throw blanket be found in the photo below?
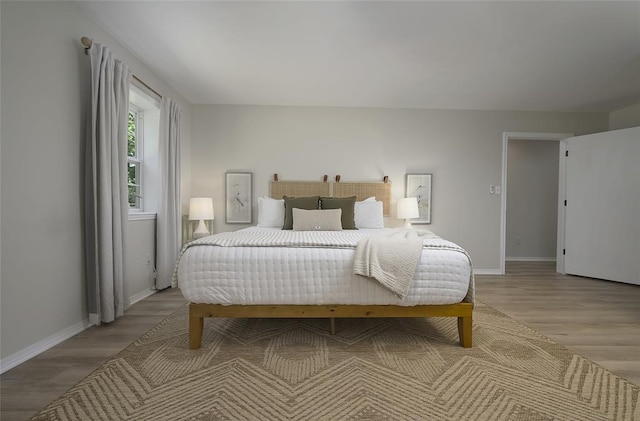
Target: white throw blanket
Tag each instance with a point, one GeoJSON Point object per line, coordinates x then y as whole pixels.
{"type": "Point", "coordinates": [391, 258]}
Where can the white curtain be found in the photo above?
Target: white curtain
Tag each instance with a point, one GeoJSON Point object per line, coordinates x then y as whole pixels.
{"type": "Point", "coordinates": [106, 204]}
{"type": "Point", "coordinates": [168, 225]}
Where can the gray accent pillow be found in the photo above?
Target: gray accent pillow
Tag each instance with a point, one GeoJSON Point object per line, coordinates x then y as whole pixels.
{"type": "Point", "coordinates": [317, 220]}
{"type": "Point", "coordinates": [308, 203]}
{"type": "Point", "coordinates": [347, 204]}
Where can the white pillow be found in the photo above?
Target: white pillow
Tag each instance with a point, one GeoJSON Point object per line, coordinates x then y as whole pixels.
{"type": "Point", "coordinates": [270, 212]}
{"type": "Point", "coordinates": [369, 214]}
{"type": "Point", "coordinates": [317, 220]}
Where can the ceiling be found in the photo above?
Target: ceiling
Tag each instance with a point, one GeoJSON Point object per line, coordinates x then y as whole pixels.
{"type": "Point", "coordinates": [504, 55]}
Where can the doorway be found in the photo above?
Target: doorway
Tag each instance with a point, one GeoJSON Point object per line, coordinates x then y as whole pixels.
{"type": "Point", "coordinates": [520, 231]}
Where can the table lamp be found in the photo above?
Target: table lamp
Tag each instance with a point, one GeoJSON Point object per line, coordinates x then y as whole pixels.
{"type": "Point", "coordinates": [200, 209]}
{"type": "Point", "coordinates": [407, 209]}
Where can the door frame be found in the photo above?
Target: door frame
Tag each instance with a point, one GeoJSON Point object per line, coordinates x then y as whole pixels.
{"type": "Point", "coordinates": [562, 174]}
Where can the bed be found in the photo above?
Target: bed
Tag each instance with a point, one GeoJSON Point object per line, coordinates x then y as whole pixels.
{"type": "Point", "coordinates": [269, 272]}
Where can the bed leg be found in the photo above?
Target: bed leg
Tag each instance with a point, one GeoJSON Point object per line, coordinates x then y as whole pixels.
{"type": "Point", "coordinates": [333, 326]}
{"type": "Point", "coordinates": [465, 331]}
{"type": "Point", "coordinates": [196, 326]}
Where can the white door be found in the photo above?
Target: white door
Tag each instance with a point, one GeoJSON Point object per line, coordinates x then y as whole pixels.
{"type": "Point", "coordinates": [603, 206]}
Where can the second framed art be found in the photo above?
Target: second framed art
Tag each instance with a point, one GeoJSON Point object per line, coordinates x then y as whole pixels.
{"type": "Point", "coordinates": [238, 187]}
{"type": "Point", "coordinates": [419, 186]}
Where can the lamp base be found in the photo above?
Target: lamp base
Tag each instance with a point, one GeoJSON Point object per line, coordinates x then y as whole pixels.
{"type": "Point", "coordinates": [201, 230]}
{"type": "Point", "coordinates": [407, 224]}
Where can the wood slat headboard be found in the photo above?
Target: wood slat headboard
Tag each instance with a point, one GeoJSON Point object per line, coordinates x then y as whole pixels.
{"type": "Point", "coordinates": [299, 189]}
{"type": "Point", "coordinates": [381, 191]}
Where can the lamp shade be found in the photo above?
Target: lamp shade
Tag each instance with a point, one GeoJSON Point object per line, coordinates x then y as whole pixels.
{"type": "Point", "coordinates": [408, 208]}
{"type": "Point", "coordinates": [200, 208]}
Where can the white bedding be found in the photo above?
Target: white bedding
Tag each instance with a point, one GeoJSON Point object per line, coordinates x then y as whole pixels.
{"type": "Point", "coordinates": [311, 268]}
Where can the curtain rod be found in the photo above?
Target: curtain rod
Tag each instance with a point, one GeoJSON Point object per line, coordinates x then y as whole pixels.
{"type": "Point", "coordinates": [88, 42]}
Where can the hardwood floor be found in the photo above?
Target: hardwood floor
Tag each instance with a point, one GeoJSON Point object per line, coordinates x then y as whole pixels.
{"type": "Point", "coordinates": [597, 319]}
{"type": "Point", "coordinates": [26, 389]}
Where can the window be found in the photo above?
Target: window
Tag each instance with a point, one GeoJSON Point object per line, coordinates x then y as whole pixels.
{"type": "Point", "coordinates": [135, 156]}
{"type": "Point", "coordinates": [143, 166]}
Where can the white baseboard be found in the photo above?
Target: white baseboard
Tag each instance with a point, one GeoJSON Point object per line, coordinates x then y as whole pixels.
{"type": "Point", "coordinates": [530, 259]}
{"type": "Point", "coordinates": [39, 347]}
{"type": "Point", "coordinates": [487, 272]}
{"type": "Point", "coordinates": [141, 296]}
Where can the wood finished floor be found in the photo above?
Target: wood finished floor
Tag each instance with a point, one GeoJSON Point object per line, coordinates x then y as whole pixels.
{"type": "Point", "coordinates": [597, 319]}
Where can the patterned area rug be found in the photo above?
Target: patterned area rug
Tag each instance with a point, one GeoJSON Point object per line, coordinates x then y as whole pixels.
{"type": "Point", "coordinates": [371, 369]}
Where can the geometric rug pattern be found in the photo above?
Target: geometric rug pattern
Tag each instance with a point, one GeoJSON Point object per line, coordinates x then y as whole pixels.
{"type": "Point", "coordinates": [371, 369]}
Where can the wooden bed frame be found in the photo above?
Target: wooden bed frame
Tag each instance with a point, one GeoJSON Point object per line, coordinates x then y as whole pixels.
{"type": "Point", "coordinates": [382, 191]}
{"type": "Point", "coordinates": [197, 312]}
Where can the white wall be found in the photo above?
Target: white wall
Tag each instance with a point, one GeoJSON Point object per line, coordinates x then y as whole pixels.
{"type": "Point", "coordinates": [532, 199]}
{"type": "Point", "coordinates": [45, 80]}
{"type": "Point", "coordinates": [139, 273]}
{"type": "Point", "coordinates": [462, 149]}
{"type": "Point", "coordinates": [625, 117]}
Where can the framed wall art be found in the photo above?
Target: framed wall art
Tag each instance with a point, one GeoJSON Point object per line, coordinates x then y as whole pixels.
{"type": "Point", "coordinates": [238, 187]}
{"type": "Point", "coordinates": [419, 186]}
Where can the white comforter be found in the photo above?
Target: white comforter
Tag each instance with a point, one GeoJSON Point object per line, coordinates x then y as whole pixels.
{"type": "Point", "coordinates": [272, 266]}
